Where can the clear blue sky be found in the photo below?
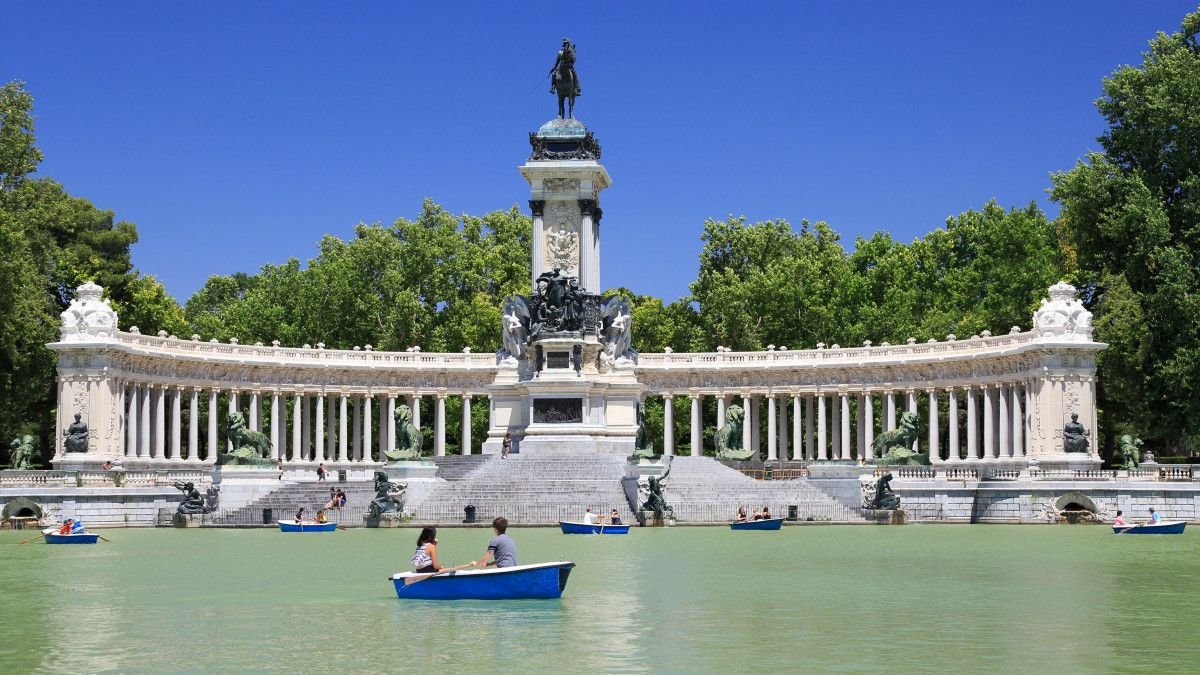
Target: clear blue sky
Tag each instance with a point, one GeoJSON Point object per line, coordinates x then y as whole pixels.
{"type": "Point", "coordinates": [237, 134]}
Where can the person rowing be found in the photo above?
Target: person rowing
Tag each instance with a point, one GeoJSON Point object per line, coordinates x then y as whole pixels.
{"type": "Point", "coordinates": [501, 550]}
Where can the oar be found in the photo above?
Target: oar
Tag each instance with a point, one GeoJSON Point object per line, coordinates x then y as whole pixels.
{"type": "Point", "coordinates": [422, 577]}
{"type": "Point", "coordinates": [30, 539]}
{"type": "Point", "coordinates": [104, 538]}
{"type": "Point", "coordinates": [1130, 527]}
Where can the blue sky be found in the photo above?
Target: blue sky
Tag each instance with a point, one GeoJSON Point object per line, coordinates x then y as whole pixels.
{"type": "Point", "coordinates": [237, 134]}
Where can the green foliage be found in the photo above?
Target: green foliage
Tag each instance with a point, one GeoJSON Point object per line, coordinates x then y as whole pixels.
{"type": "Point", "coordinates": [18, 154]}
{"type": "Point", "coordinates": [1132, 214]}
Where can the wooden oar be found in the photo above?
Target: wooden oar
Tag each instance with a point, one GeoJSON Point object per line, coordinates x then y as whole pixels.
{"type": "Point", "coordinates": [422, 577]}
{"type": "Point", "coordinates": [104, 538]}
{"type": "Point", "coordinates": [33, 538]}
{"type": "Point", "coordinates": [1128, 528]}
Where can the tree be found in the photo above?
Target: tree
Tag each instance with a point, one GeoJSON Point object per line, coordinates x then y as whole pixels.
{"type": "Point", "coordinates": [1132, 215]}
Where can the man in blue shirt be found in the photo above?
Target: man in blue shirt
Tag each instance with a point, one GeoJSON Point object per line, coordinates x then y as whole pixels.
{"type": "Point", "coordinates": [1154, 517]}
{"type": "Point", "coordinates": [501, 550]}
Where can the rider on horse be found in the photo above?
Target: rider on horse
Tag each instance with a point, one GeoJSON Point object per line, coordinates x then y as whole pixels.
{"type": "Point", "coordinates": [564, 80]}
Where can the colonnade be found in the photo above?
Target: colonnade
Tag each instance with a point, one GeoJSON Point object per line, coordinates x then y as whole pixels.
{"type": "Point", "coordinates": [321, 427]}
{"type": "Point", "coordinates": [842, 424]}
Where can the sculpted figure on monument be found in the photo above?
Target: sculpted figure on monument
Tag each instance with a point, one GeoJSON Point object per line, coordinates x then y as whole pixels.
{"type": "Point", "coordinates": [882, 496]}
{"type": "Point", "coordinates": [21, 455]}
{"type": "Point", "coordinates": [77, 435]}
{"type": "Point", "coordinates": [642, 449]}
{"type": "Point", "coordinates": [1127, 452]}
{"type": "Point", "coordinates": [389, 496]}
{"type": "Point", "coordinates": [193, 503]}
{"type": "Point", "coordinates": [656, 502]}
{"type": "Point", "coordinates": [249, 446]}
{"type": "Point", "coordinates": [729, 437]}
{"type": "Point", "coordinates": [515, 333]}
{"type": "Point", "coordinates": [1075, 436]}
{"type": "Point", "coordinates": [895, 446]}
{"type": "Point", "coordinates": [408, 437]}
{"type": "Point", "coordinates": [617, 325]}
{"type": "Point", "coordinates": [563, 79]}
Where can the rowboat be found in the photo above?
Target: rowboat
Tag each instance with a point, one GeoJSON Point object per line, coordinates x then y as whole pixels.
{"type": "Point", "coordinates": [521, 582]}
{"type": "Point", "coordinates": [584, 528]}
{"type": "Point", "coordinates": [54, 537]}
{"type": "Point", "coordinates": [1164, 527]}
{"type": "Point", "coordinates": [767, 524]}
{"type": "Point", "coordinates": [293, 526]}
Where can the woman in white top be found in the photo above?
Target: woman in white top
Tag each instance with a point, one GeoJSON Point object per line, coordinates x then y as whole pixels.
{"type": "Point", "coordinates": [425, 557]}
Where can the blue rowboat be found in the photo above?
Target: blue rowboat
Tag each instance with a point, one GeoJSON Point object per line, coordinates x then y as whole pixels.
{"type": "Point", "coordinates": [1165, 527]}
{"type": "Point", "coordinates": [584, 528]}
{"type": "Point", "coordinates": [80, 538]}
{"type": "Point", "coordinates": [768, 524]}
{"type": "Point", "coordinates": [522, 582]}
{"type": "Point", "coordinates": [293, 526]}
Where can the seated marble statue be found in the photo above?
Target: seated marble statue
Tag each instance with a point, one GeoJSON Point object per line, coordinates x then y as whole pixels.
{"type": "Point", "coordinates": [1075, 436]}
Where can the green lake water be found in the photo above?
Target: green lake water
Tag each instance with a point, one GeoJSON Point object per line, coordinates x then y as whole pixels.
{"type": "Point", "coordinates": [852, 598]}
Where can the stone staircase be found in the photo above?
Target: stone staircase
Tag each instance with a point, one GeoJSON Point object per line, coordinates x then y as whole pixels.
{"type": "Point", "coordinates": [529, 488]}
{"type": "Point", "coordinates": [285, 501]}
{"type": "Point", "coordinates": [702, 490]}
{"type": "Point", "coordinates": [458, 467]}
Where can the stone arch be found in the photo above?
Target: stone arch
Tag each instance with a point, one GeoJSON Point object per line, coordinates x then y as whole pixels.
{"type": "Point", "coordinates": [1075, 498]}
{"type": "Point", "coordinates": [21, 506]}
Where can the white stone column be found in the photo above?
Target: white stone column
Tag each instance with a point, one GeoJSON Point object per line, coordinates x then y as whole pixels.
{"type": "Point", "coordinates": [466, 424]}
{"type": "Point", "coordinates": [835, 429]}
{"type": "Point", "coordinates": [213, 438]}
{"type": "Point", "coordinates": [416, 414]}
{"type": "Point", "coordinates": [772, 430]}
{"type": "Point", "coordinates": [989, 423]}
{"type": "Point", "coordinates": [797, 430]}
{"type": "Point", "coordinates": [935, 454]}
{"type": "Point", "coordinates": [439, 425]}
{"type": "Point", "coordinates": [747, 438]}
{"type": "Point", "coordinates": [869, 425]}
{"type": "Point", "coordinates": [668, 424]}
{"type": "Point", "coordinates": [845, 432]}
{"type": "Point", "coordinates": [356, 431]}
{"type": "Point", "coordinates": [280, 425]}
{"type": "Point", "coordinates": [755, 427]}
{"type": "Point", "coordinates": [697, 427]}
{"type": "Point", "coordinates": [860, 428]}
{"type": "Point", "coordinates": [122, 405]}
{"type": "Point", "coordinates": [160, 422]}
{"type": "Point", "coordinates": [255, 409]}
{"type": "Point", "coordinates": [952, 428]}
{"type": "Point", "coordinates": [1003, 448]}
{"type": "Point", "coordinates": [721, 419]}
{"type": "Point", "coordinates": [783, 430]}
{"type": "Point", "coordinates": [233, 407]}
{"type": "Point", "coordinates": [890, 403]}
{"type": "Point", "coordinates": [330, 430]}
{"type": "Point", "coordinates": [810, 443]}
{"type": "Point", "coordinates": [194, 426]}
{"type": "Point", "coordinates": [319, 430]}
{"type": "Point", "coordinates": [145, 450]}
{"type": "Point", "coordinates": [911, 395]}
{"type": "Point", "coordinates": [387, 435]}
{"type": "Point", "coordinates": [366, 428]}
{"type": "Point", "coordinates": [131, 423]}
{"type": "Point", "coordinates": [822, 447]}
{"type": "Point", "coordinates": [275, 435]}
{"type": "Point", "coordinates": [1018, 443]}
{"type": "Point", "coordinates": [1028, 420]}
{"type": "Point", "coordinates": [972, 423]}
{"type": "Point", "coordinates": [306, 427]}
{"type": "Point", "coordinates": [343, 428]}
{"type": "Point", "coordinates": [297, 426]}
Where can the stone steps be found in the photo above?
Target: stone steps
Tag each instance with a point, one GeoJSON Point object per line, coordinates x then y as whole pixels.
{"type": "Point", "coordinates": [701, 489]}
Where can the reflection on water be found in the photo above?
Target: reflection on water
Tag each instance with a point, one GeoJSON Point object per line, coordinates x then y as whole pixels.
{"type": "Point", "coordinates": [949, 598]}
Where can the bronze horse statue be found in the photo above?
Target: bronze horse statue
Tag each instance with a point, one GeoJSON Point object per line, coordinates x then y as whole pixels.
{"type": "Point", "coordinates": [564, 81]}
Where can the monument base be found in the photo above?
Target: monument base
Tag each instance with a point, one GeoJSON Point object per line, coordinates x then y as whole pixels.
{"type": "Point", "coordinates": [385, 520]}
{"type": "Point", "coordinates": [407, 471]}
{"type": "Point", "coordinates": [656, 519]}
{"type": "Point", "coordinates": [886, 516]}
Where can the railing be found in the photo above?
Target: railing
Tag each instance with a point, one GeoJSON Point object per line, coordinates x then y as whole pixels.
{"type": "Point", "coordinates": [960, 473]}
{"type": "Point", "coordinates": [782, 473]}
{"type": "Point", "coordinates": [906, 471]}
{"type": "Point", "coordinates": [1175, 473]}
{"type": "Point", "coordinates": [114, 478]}
{"type": "Point", "coordinates": [1072, 474]}
{"type": "Point", "coordinates": [1001, 474]}
{"type": "Point", "coordinates": [21, 478]}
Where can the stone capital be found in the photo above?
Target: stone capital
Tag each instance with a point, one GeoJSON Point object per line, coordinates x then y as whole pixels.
{"type": "Point", "coordinates": [587, 206]}
{"type": "Point", "coordinates": [537, 207]}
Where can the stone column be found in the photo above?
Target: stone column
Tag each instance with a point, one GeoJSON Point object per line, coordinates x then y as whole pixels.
{"type": "Point", "coordinates": [797, 430]}
{"type": "Point", "coordinates": [356, 433]}
{"type": "Point", "coordinates": [935, 454]}
{"type": "Point", "coordinates": [343, 428]}
{"type": "Point", "coordinates": [869, 425]}
{"type": "Point", "coordinates": [721, 418]}
{"type": "Point", "coordinates": [972, 424]}
{"type": "Point", "coordinates": [536, 208]}
{"type": "Point", "coordinates": [810, 444]}
{"type": "Point", "coordinates": [330, 431]}
{"type": "Point", "coordinates": [160, 422]}
{"type": "Point", "coordinates": [845, 432]}
{"type": "Point", "coordinates": [297, 426]}
{"type": "Point", "coordinates": [746, 434]}
{"type": "Point", "coordinates": [911, 395]}
{"type": "Point", "coordinates": [756, 427]}
{"type": "Point", "coordinates": [772, 430]}
{"type": "Point", "coordinates": [213, 450]}
{"type": "Point", "coordinates": [822, 447]}
{"type": "Point", "coordinates": [835, 428]}
{"type": "Point", "coordinates": [783, 430]}
{"type": "Point", "coordinates": [1028, 420]}
{"type": "Point", "coordinates": [989, 423]}
{"type": "Point", "coordinates": [466, 424]}
{"type": "Point", "coordinates": [194, 426]}
{"type": "Point", "coordinates": [890, 403]}
{"type": "Point", "coordinates": [366, 428]}
{"type": "Point", "coordinates": [860, 428]}
{"type": "Point", "coordinates": [697, 427]}
{"type": "Point", "coordinates": [668, 424]}
{"type": "Point", "coordinates": [233, 406]}
{"type": "Point", "coordinates": [439, 425]}
{"type": "Point", "coordinates": [589, 274]}
{"type": "Point", "coordinates": [131, 423]}
{"type": "Point", "coordinates": [122, 404]}
{"type": "Point", "coordinates": [255, 409]}
{"type": "Point", "coordinates": [416, 413]}
{"type": "Point", "coordinates": [952, 428]}
{"type": "Point", "coordinates": [144, 448]}
{"type": "Point", "coordinates": [1018, 443]}
{"type": "Point", "coordinates": [387, 434]}
{"type": "Point", "coordinates": [280, 425]}
{"type": "Point", "coordinates": [1004, 448]}
{"type": "Point", "coordinates": [306, 428]}
{"type": "Point", "coordinates": [319, 430]}
{"type": "Point", "coordinates": [275, 436]}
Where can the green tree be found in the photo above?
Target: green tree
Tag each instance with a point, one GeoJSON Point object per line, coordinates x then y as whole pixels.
{"type": "Point", "coordinates": [1132, 215]}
